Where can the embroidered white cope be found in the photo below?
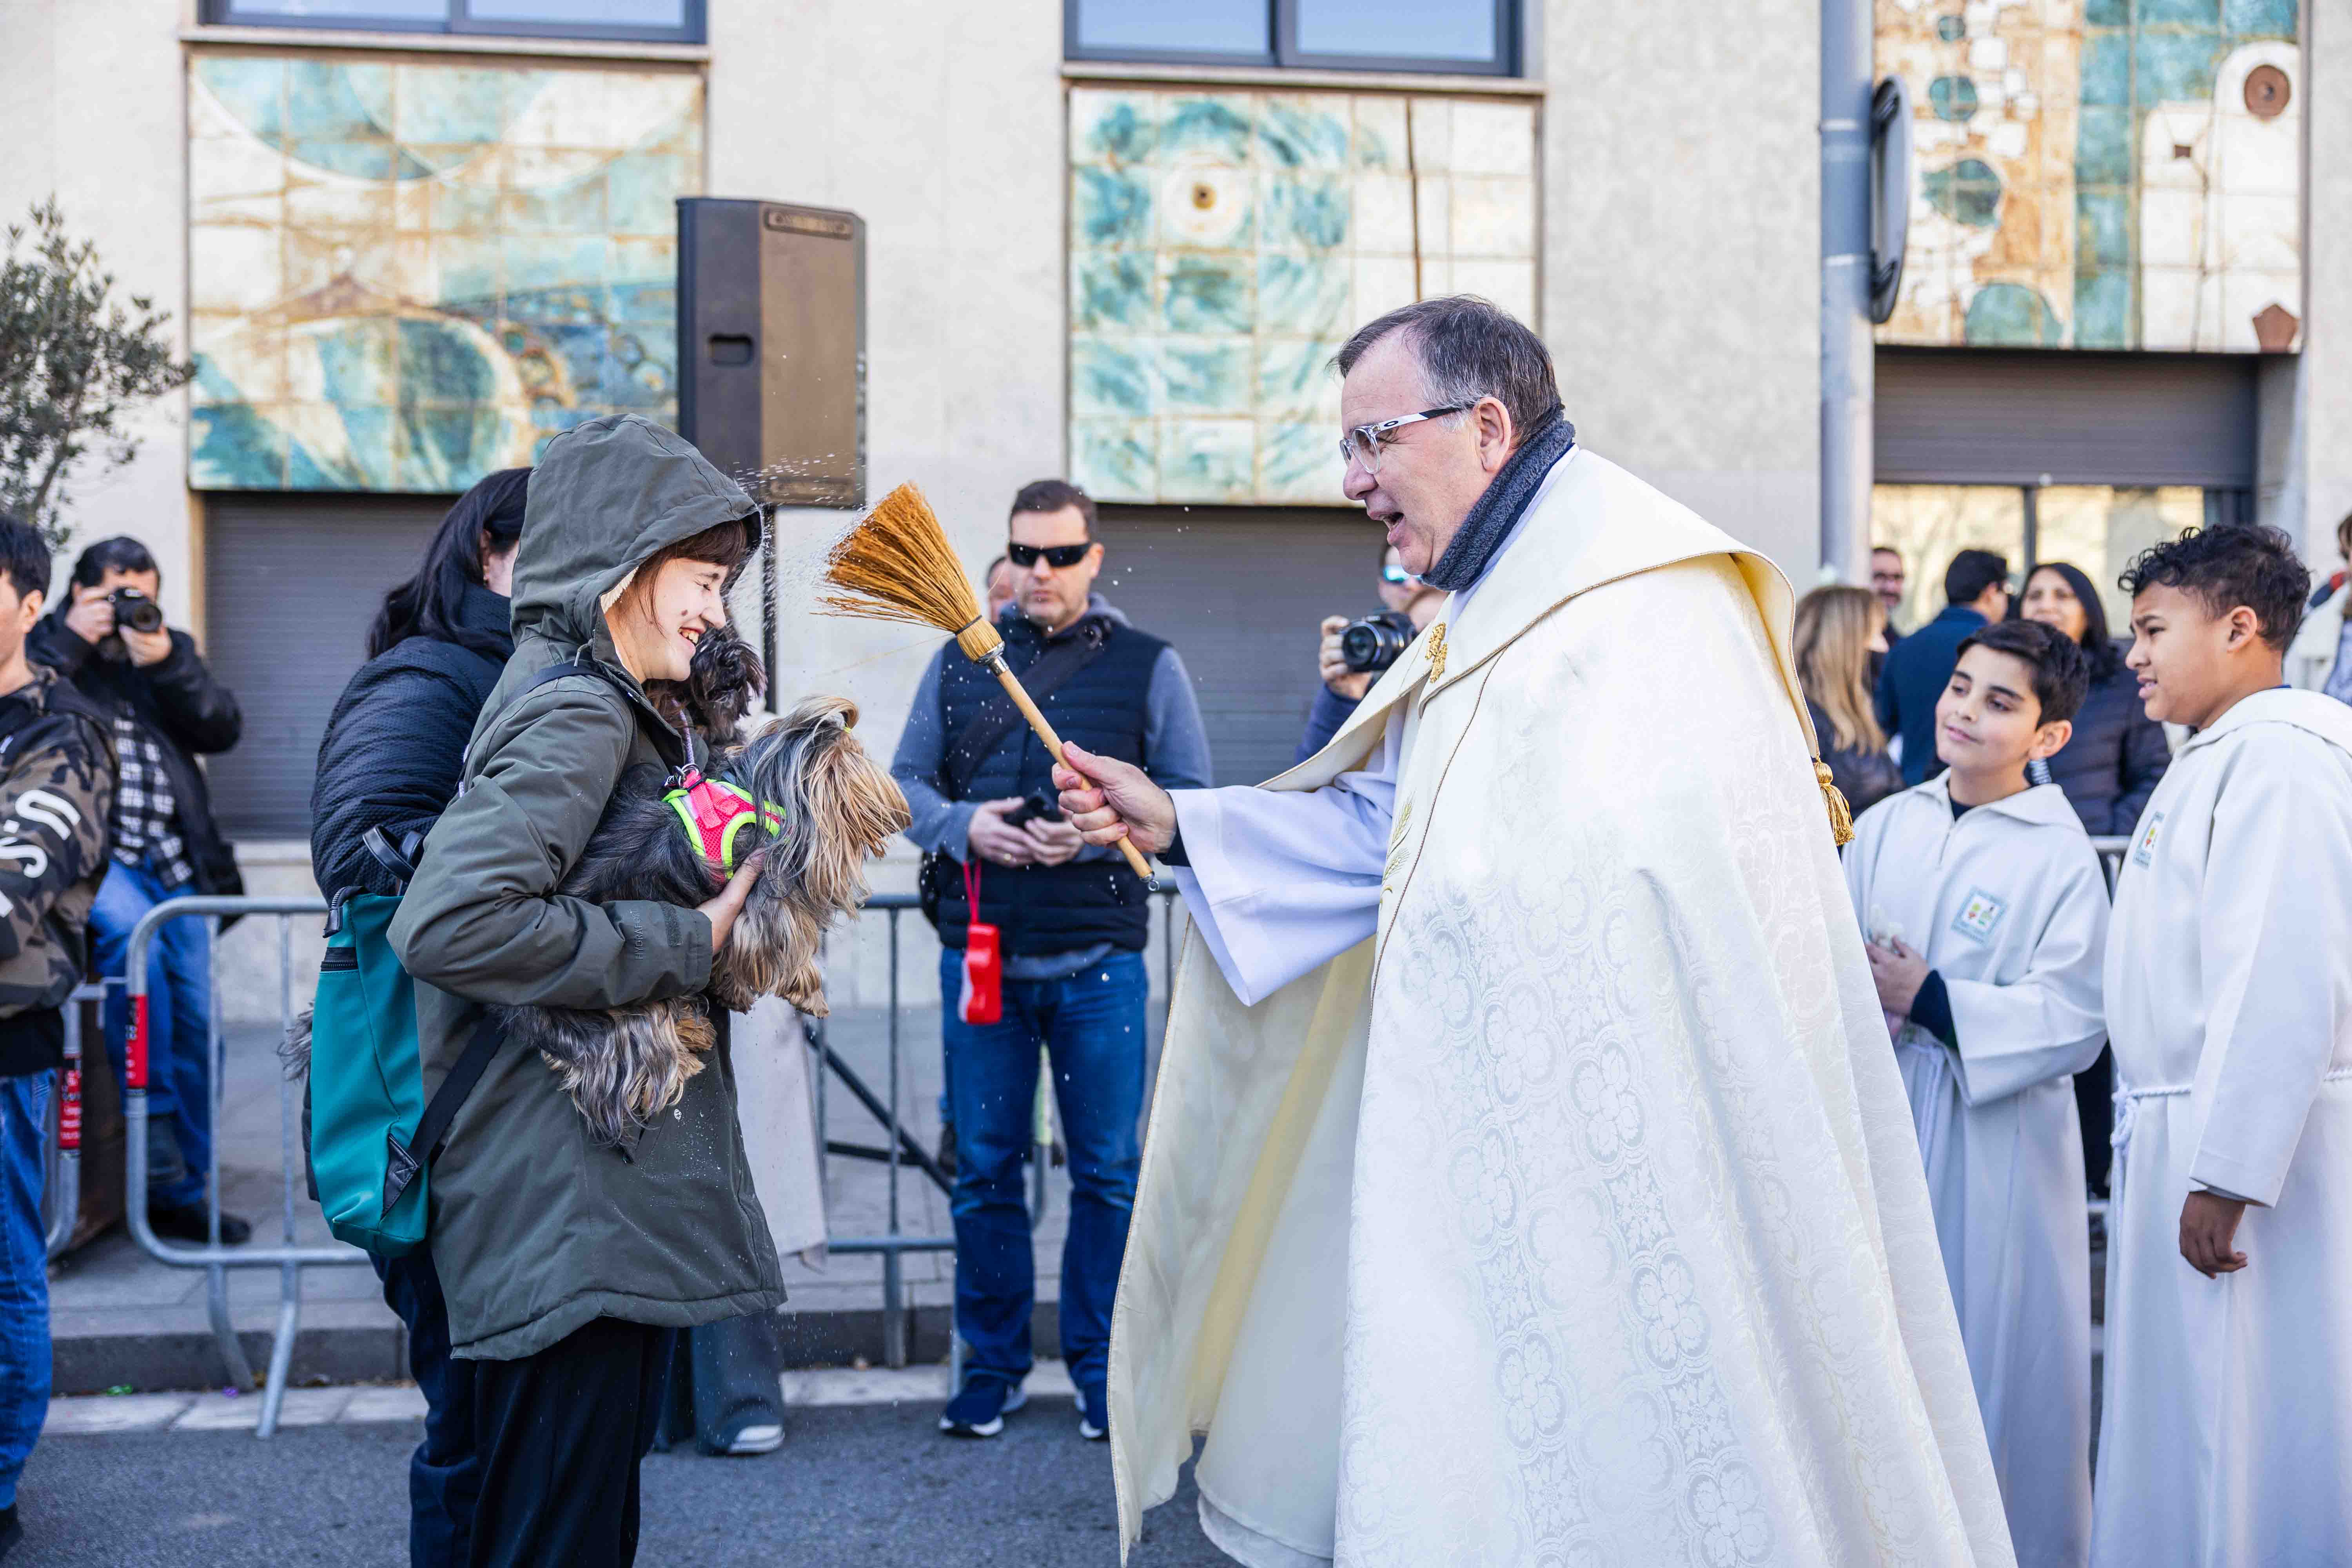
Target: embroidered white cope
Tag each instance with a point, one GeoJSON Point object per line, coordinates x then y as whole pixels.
{"type": "Point", "coordinates": [1529, 1179]}
{"type": "Point", "coordinates": [2227, 1432]}
{"type": "Point", "coordinates": [2009, 907]}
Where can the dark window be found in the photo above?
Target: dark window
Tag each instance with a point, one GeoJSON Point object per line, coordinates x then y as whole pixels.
{"type": "Point", "coordinates": [649, 21]}
{"type": "Point", "coordinates": [1470, 36]}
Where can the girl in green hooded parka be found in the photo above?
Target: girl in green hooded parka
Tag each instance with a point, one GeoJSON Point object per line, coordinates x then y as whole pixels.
{"type": "Point", "coordinates": [567, 1264]}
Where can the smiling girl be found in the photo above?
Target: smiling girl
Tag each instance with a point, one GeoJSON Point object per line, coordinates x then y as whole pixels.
{"type": "Point", "coordinates": [568, 1263]}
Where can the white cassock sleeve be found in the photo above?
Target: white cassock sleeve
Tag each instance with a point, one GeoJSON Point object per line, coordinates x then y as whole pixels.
{"type": "Point", "coordinates": [2049, 1023]}
{"type": "Point", "coordinates": [2277, 944]}
{"type": "Point", "coordinates": [1280, 883]}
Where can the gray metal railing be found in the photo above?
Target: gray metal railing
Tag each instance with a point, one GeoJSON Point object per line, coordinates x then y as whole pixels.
{"type": "Point", "coordinates": [213, 1258]}
{"type": "Point", "coordinates": [900, 1149]}
{"type": "Point", "coordinates": [61, 1186]}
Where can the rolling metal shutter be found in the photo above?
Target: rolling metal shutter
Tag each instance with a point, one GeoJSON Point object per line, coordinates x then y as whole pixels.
{"type": "Point", "coordinates": [1238, 591]}
{"type": "Point", "coordinates": [290, 585]}
{"type": "Point", "coordinates": [1984, 417]}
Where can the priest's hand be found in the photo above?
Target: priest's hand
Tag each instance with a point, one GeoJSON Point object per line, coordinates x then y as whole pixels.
{"type": "Point", "coordinates": [1108, 800]}
{"type": "Point", "coordinates": [2209, 1224]}
{"type": "Point", "coordinates": [1899, 971]}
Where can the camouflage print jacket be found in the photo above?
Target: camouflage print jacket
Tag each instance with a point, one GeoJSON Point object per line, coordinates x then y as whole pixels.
{"type": "Point", "coordinates": [57, 783]}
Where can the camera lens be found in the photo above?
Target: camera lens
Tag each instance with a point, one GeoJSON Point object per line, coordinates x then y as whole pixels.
{"type": "Point", "coordinates": [135, 611]}
{"type": "Point", "coordinates": [1375, 642]}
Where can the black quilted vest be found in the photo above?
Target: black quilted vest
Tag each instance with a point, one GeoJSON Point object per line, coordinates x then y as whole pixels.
{"type": "Point", "coordinates": [1102, 708]}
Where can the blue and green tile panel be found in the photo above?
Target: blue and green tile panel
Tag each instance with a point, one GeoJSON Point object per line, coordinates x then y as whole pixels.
{"type": "Point", "coordinates": [406, 275]}
{"type": "Point", "coordinates": [1223, 245]}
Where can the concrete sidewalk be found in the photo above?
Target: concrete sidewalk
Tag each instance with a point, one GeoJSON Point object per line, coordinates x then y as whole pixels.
{"type": "Point", "coordinates": [120, 1317]}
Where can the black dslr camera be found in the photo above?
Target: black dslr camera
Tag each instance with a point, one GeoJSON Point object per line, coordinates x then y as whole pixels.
{"type": "Point", "coordinates": [1374, 643]}
{"type": "Point", "coordinates": [135, 610]}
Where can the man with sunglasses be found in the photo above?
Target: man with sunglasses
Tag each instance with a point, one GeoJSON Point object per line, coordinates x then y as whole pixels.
{"type": "Point", "coordinates": [1401, 594]}
{"type": "Point", "coordinates": [1071, 924]}
{"type": "Point", "coordinates": [1531, 1179]}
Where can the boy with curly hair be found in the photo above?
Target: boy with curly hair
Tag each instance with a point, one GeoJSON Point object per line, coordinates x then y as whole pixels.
{"type": "Point", "coordinates": [2228, 1423]}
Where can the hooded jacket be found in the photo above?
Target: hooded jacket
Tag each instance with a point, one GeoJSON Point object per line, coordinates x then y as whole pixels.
{"type": "Point", "coordinates": [535, 1229]}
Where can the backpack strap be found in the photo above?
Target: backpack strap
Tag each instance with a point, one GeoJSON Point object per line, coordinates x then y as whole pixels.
{"type": "Point", "coordinates": [404, 1160]}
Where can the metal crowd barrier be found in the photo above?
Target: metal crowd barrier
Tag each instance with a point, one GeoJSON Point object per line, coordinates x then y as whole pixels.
{"type": "Point", "coordinates": [61, 1188]}
{"type": "Point", "coordinates": [900, 1149]}
{"type": "Point", "coordinates": [215, 1259]}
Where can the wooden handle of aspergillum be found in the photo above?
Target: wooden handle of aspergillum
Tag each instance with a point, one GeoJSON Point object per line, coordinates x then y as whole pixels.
{"type": "Point", "coordinates": [1044, 728]}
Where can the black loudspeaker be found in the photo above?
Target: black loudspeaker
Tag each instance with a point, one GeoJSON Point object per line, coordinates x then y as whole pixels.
{"type": "Point", "coordinates": [772, 347]}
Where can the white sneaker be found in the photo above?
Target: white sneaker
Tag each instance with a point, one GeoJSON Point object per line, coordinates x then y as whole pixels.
{"type": "Point", "coordinates": [765, 1438]}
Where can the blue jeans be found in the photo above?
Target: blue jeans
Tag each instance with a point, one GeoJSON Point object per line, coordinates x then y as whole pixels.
{"type": "Point", "coordinates": [1092, 1026]}
{"type": "Point", "coordinates": [445, 1474]}
{"type": "Point", "coordinates": [179, 1029]}
{"type": "Point", "coordinates": [23, 1275]}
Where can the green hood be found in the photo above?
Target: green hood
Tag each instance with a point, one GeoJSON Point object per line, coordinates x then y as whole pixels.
{"type": "Point", "coordinates": [608, 494]}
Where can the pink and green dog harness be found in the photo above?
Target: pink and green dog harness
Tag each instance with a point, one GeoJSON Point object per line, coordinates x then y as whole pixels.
{"type": "Point", "coordinates": [714, 811]}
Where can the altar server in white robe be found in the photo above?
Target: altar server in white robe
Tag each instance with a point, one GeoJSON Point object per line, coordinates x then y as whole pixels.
{"type": "Point", "coordinates": [1529, 1180]}
{"type": "Point", "coordinates": [2227, 1433]}
{"type": "Point", "coordinates": [1986, 913]}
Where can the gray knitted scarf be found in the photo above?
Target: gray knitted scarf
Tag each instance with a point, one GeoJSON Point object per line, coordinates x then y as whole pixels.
{"type": "Point", "coordinates": [1496, 512]}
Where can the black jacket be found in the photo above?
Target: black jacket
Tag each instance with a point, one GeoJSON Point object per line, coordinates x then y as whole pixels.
{"type": "Point", "coordinates": [1103, 708]}
{"type": "Point", "coordinates": [2117, 753]}
{"type": "Point", "coordinates": [1917, 671]}
{"type": "Point", "coordinates": [396, 741]}
{"type": "Point", "coordinates": [178, 703]}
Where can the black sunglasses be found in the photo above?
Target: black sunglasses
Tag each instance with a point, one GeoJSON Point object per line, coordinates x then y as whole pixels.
{"type": "Point", "coordinates": [1061, 557]}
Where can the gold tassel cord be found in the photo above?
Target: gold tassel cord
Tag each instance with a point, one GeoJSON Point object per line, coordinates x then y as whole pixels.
{"type": "Point", "coordinates": [1840, 813]}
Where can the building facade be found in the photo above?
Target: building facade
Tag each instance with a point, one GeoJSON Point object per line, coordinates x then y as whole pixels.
{"type": "Point", "coordinates": [407, 241]}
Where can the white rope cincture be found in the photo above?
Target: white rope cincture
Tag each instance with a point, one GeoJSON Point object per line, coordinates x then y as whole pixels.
{"type": "Point", "coordinates": [2127, 1105]}
{"type": "Point", "coordinates": [2127, 1100]}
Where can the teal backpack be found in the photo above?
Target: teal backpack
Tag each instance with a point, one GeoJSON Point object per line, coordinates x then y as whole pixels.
{"type": "Point", "coordinates": [372, 1134]}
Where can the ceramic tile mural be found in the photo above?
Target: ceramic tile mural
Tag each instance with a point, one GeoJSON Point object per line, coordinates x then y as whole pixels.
{"type": "Point", "coordinates": [403, 275]}
{"type": "Point", "coordinates": [2101, 174]}
{"type": "Point", "coordinates": [1223, 245]}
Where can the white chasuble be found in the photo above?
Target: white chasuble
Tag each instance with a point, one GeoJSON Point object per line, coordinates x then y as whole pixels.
{"type": "Point", "coordinates": [1529, 1180]}
{"type": "Point", "coordinates": [2009, 907]}
{"type": "Point", "coordinates": [2226, 1436]}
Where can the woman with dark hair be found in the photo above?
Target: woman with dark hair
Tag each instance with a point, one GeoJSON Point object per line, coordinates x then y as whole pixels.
{"type": "Point", "coordinates": [393, 744]}
{"type": "Point", "coordinates": [390, 759]}
{"type": "Point", "coordinates": [567, 1264]}
{"type": "Point", "coordinates": [2110, 767]}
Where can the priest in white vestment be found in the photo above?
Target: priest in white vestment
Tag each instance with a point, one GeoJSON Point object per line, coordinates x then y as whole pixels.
{"type": "Point", "coordinates": [2226, 1435]}
{"type": "Point", "coordinates": [1529, 1180]}
{"type": "Point", "coordinates": [1987, 912]}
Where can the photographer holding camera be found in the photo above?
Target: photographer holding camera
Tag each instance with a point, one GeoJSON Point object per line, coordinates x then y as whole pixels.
{"type": "Point", "coordinates": [1053, 952]}
{"type": "Point", "coordinates": [109, 639]}
{"type": "Point", "coordinates": [1353, 653]}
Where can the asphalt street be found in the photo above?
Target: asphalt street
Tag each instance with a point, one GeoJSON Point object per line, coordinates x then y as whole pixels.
{"type": "Point", "coordinates": [862, 1484]}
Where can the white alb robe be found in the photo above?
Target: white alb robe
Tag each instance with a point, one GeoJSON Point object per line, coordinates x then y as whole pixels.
{"type": "Point", "coordinates": [1529, 1179]}
{"type": "Point", "coordinates": [2226, 1436]}
{"type": "Point", "coordinates": [2009, 907]}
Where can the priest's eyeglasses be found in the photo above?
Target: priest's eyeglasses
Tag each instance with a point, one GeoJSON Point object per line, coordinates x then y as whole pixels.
{"type": "Point", "coordinates": [1363, 443]}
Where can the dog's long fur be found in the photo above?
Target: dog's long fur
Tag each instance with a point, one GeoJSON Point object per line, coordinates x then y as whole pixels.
{"type": "Point", "coordinates": [625, 1066]}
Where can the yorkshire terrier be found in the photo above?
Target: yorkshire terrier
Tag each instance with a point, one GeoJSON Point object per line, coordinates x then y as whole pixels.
{"type": "Point", "coordinates": [804, 795]}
